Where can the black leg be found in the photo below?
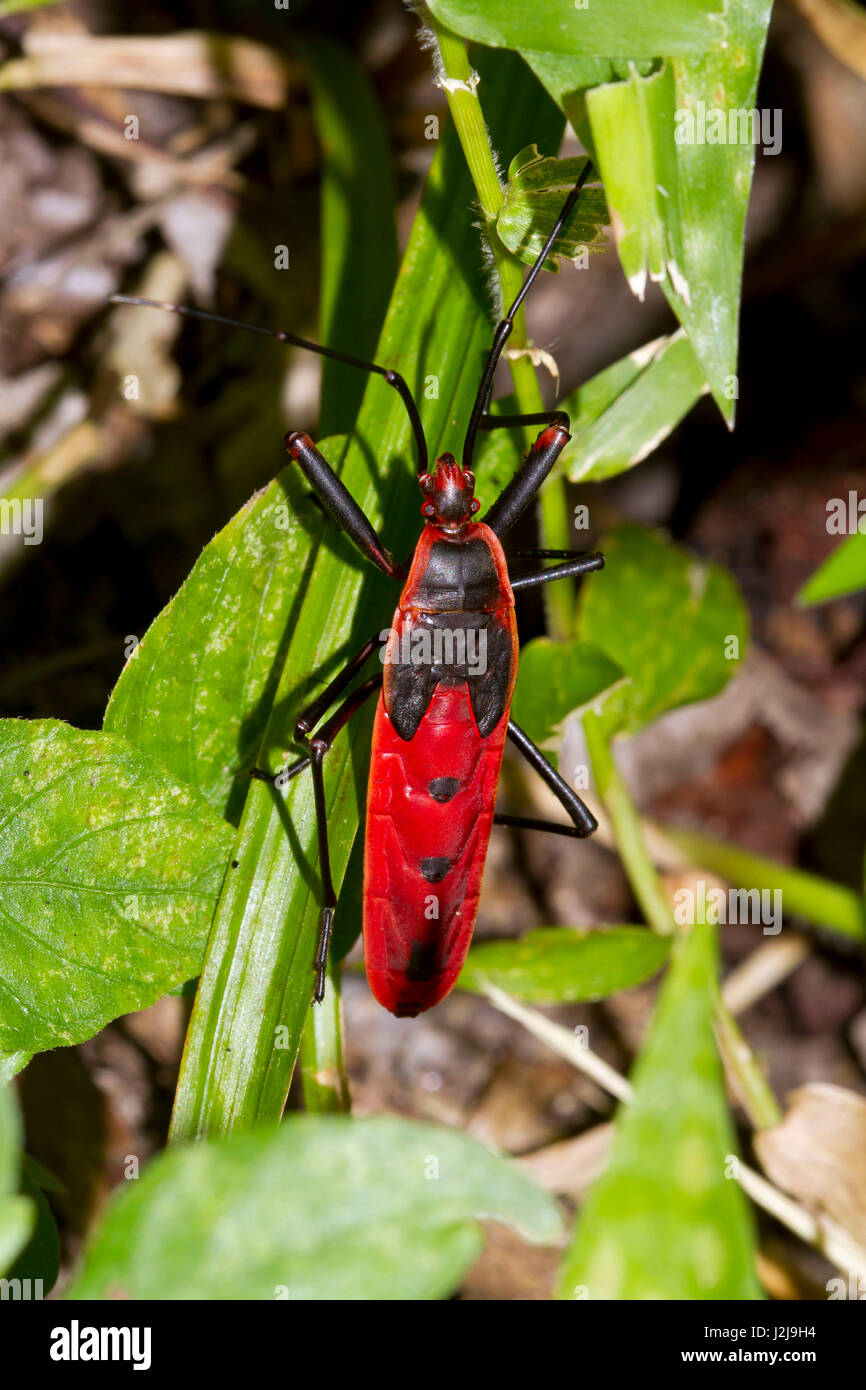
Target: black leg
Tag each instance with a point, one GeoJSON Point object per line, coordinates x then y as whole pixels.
{"type": "Point", "coordinates": [516, 496]}
{"type": "Point", "coordinates": [317, 746]}
{"type": "Point", "coordinates": [339, 503]}
{"type": "Point", "coordinates": [393, 378]}
{"type": "Point", "coordinates": [533, 823]}
{"type": "Point", "coordinates": [504, 329]}
{"type": "Point", "coordinates": [540, 417]}
{"type": "Point", "coordinates": [570, 570]}
{"type": "Point", "coordinates": [310, 715]}
{"type": "Point", "coordinates": [583, 818]}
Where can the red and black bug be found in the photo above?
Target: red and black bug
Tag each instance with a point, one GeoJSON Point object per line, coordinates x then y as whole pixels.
{"type": "Point", "coordinates": [442, 718]}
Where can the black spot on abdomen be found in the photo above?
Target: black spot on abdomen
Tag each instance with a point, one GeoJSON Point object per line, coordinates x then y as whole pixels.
{"type": "Point", "coordinates": [422, 966]}
{"type": "Point", "coordinates": [443, 788]}
{"type": "Point", "coordinates": [434, 869]}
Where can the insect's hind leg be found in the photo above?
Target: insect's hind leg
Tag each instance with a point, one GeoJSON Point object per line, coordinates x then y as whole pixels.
{"type": "Point", "coordinates": [584, 821]}
{"type": "Point", "coordinates": [535, 823]}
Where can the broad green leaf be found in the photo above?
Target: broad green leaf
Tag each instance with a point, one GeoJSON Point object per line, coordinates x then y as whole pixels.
{"type": "Point", "coordinates": [627, 28]}
{"type": "Point", "coordinates": [554, 965]}
{"type": "Point", "coordinates": [843, 572]}
{"type": "Point", "coordinates": [322, 1208]}
{"type": "Point", "coordinates": [676, 152]}
{"type": "Point", "coordinates": [625, 412]}
{"type": "Point", "coordinates": [667, 1219]}
{"type": "Point", "coordinates": [196, 693]}
{"type": "Point", "coordinates": [532, 200]}
{"type": "Point", "coordinates": [676, 625]}
{"type": "Point", "coordinates": [555, 679]}
{"type": "Point", "coordinates": [17, 1214]}
{"type": "Point", "coordinates": [570, 77]}
{"type": "Point", "coordinates": [257, 982]}
{"type": "Point", "coordinates": [109, 874]}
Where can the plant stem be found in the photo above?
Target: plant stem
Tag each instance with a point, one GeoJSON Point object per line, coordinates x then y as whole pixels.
{"type": "Point", "coordinates": [752, 1088]}
{"type": "Point", "coordinates": [471, 129]}
{"type": "Point", "coordinates": [751, 1085]}
{"type": "Point", "coordinates": [627, 828]}
{"type": "Point", "coordinates": [323, 1072]}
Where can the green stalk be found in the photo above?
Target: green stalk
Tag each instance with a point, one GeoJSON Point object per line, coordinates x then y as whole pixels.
{"type": "Point", "coordinates": [754, 1090]}
{"type": "Point", "coordinates": [323, 1072]}
{"type": "Point", "coordinates": [465, 108]}
{"type": "Point", "coordinates": [626, 824]}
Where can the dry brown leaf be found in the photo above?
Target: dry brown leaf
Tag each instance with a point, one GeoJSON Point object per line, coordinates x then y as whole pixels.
{"type": "Point", "coordinates": [818, 1153]}
{"type": "Point", "coordinates": [194, 63]}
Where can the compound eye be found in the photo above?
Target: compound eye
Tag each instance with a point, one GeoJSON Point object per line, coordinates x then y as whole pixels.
{"type": "Point", "coordinates": [428, 509]}
{"type": "Point", "coordinates": [476, 505]}
{"type": "Point", "coordinates": [470, 478]}
{"type": "Point", "coordinates": [425, 481]}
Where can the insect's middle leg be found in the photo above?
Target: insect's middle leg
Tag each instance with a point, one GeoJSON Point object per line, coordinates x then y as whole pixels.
{"type": "Point", "coordinates": [318, 745]}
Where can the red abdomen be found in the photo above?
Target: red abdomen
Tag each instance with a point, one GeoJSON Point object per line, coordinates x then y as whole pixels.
{"type": "Point", "coordinates": [429, 812]}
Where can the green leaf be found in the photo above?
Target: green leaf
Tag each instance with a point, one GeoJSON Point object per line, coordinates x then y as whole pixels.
{"type": "Point", "coordinates": [322, 1208]}
{"type": "Point", "coordinates": [197, 691]}
{"type": "Point", "coordinates": [623, 414]}
{"type": "Point", "coordinates": [109, 872]}
{"type": "Point", "coordinates": [555, 679]}
{"type": "Point", "coordinates": [554, 965]}
{"type": "Point", "coordinates": [629, 27]}
{"type": "Point", "coordinates": [11, 1063]}
{"type": "Point", "coordinates": [17, 1214]}
{"type": "Point", "coordinates": [359, 237]}
{"type": "Point", "coordinates": [667, 1219]}
{"type": "Point", "coordinates": [843, 572]}
{"type": "Point", "coordinates": [677, 201]}
{"type": "Point", "coordinates": [677, 626]}
{"type": "Point", "coordinates": [536, 190]}
{"type": "Point", "coordinates": [39, 1260]}
{"type": "Point", "coordinates": [257, 982]}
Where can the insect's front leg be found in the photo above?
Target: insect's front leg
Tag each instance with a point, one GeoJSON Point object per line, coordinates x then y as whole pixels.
{"type": "Point", "coordinates": [339, 503]}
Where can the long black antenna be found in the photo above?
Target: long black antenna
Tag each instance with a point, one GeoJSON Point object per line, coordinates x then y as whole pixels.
{"type": "Point", "coordinates": [393, 378]}
{"type": "Point", "coordinates": [504, 329]}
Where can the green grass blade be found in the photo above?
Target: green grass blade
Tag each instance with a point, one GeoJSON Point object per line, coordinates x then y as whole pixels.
{"type": "Point", "coordinates": [359, 238]}
{"type": "Point", "coordinates": [843, 572]}
{"type": "Point", "coordinates": [818, 900]}
{"type": "Point", "coordinates": [667, 1220]}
